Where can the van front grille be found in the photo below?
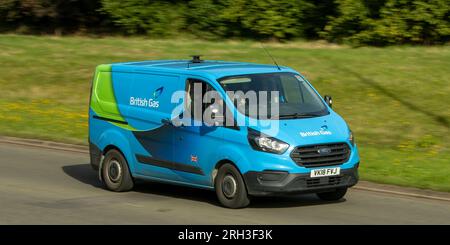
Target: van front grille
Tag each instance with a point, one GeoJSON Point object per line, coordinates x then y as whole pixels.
{"type": "Point", "coordinates": [321, 155]}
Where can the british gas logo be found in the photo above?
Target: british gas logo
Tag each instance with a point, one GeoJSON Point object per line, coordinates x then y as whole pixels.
{"type": "Point", "coordinates": [315, 133]}
{"type": "Point", "coordinates": [158, 92]}
{"type": "Point", "coordinates": [144, 102]}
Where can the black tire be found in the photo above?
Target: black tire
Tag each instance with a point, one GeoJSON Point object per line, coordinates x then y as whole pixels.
{"type": "Point", "coordinates": [115, 172]}
{"type": "Point", "coordinates": [230, 187]}
{"type": "Point", "coordinates": [332, 195]}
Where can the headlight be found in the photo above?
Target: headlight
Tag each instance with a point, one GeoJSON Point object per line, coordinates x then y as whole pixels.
{"type": "Point", "coordinates": [351, 138]}
{"type": "Point", "coordinates": [265, 143]}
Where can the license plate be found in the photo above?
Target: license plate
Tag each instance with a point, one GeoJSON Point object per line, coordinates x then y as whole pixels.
{"type": "Point", "coordinates": [322, 172]}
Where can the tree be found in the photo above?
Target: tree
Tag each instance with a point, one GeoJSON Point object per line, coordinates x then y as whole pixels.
{"type": "Point", "coordinates": [390, 22]}
{"type": "Point", "coordinates": [279, 19]}
{"type": "Point", "coordinates": [49, 16]}
{"type": "Point", "coordinates": [154, 18]}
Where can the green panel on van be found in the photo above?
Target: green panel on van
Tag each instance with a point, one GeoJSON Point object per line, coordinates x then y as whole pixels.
{"type": "Point", "coordinates": [103, 101]}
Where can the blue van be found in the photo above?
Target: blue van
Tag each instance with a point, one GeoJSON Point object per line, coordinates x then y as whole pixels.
{"type": "Point", "coordinates": [135, 131]}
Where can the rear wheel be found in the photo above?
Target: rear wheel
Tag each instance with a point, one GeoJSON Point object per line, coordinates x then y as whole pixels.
{"type": "Point", "coordinates": [115, 172]}
{"type": "Point", "coordinates": [230, 187]}
{"type": "Point", "coordinates": [332, 195]}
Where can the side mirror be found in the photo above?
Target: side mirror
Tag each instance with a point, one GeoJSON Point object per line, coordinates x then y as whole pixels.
{"type": "Point", "coordinates": [328, 100]}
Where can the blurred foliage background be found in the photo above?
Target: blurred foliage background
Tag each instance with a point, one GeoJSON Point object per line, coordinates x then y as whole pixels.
{"type": "Point", "coordinates": [355, 22]}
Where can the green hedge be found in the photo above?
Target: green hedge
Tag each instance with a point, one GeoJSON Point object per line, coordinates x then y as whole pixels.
{"type": "Point", "coordinates": [154, 18]}
{"type": "Point", "coordinates": [281, 19]}
{"type": "Point", "coordinates": [53, 16]}
{"type": "Point", "coordinates": [357, 22]}
{"type": "Point", "coordinates": [390, 22]}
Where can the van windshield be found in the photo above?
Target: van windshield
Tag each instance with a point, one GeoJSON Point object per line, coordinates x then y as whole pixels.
{"type": "Point", "coordinates": [287, 95]}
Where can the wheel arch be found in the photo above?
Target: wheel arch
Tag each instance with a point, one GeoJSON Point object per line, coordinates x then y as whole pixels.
{"type": "Point", "coordinates": [219, 164]}
{"type": "Point", "coordinates": [113, 139]}
{"type": "Point", "coordinates": [229, 153]}
{"type": "Point", "coordinates": [111, 147]}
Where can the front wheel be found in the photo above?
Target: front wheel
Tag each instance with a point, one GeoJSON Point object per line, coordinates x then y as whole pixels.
{"type": "Point", "coordinates": [332, 195]}
{"type": "Point", "coordinates": [115, 172]}
{"type": "Point", "coordinates": [230, 187]}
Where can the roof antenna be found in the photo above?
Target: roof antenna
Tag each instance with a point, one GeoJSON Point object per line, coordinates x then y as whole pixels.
{"type": "Point", "coordinates": [273, 59]}
{"type": "Point", "coordinates": [195, 59]}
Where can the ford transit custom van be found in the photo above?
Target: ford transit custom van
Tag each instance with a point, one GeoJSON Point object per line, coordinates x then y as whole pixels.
{"type": "Point", "coordinates": [239, 129]}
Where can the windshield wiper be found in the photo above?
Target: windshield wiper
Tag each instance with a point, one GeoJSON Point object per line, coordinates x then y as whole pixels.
{"type": "Point", "coordinates": [299, 115]}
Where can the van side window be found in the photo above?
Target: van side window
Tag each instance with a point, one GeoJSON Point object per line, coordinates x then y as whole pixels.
{"type": "Point", "coordinates": [196, 86]}
{"type": "Point", "coordinates": [199, 87]}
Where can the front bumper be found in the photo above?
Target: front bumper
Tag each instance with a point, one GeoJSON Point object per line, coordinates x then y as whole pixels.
{"type": "Point", "coordinates": [277, 182]}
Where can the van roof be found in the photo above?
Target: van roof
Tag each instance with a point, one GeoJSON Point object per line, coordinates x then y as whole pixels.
{"type": "Point", "coordinates": [215, 68]}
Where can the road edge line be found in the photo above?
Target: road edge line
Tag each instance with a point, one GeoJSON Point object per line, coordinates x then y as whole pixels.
{"type": "Point", "coordinates": [400, 193]}
{"type": "Point", "coordinates": [45, 144]}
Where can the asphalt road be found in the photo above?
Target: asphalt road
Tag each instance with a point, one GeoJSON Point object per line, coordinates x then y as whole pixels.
{"type": "Point", "coordinates": [41, 186]}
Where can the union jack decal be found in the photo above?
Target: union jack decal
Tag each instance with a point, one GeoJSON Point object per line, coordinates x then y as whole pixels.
{"type": "Point", "coordinates": [194, 158]}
